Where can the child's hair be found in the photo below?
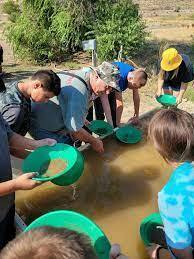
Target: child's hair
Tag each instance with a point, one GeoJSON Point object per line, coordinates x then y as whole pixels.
{"type": "Point", "coordinates": [2, 85]}
{"type": "Point", "coordinates": [49, 243]}
{"type": "Point", "coordinates": [172, 133]}
{"type": "Point", "coordinates": [162, 73]}
{"type": "Point", "coordinates": [143, 73]}
{"type": "Point", "coordinates": [49, 79]}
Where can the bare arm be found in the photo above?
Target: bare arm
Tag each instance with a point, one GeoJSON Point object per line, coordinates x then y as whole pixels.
{"type": "Point", "coordinates": [183, 253]}
{"type": "Point", "coordinates": [23, 182]}
{"type": "Point", "coordinates": [160, 85]}
{"type": "Point", "coordinates": [119, 107]}
{"type": "Point", "coordinates": [136, 101]}
{"type": "Point", "coordinates": [182, 92]}
{"type": "Point", "coordinates": [19, 145]}
{"type": "Point", "coordinates": [106, 108]}
{"type": "Point", "coordinates": [83, 135]}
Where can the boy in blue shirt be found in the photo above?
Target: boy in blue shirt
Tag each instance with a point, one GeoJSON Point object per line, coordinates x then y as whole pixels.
{"type": "Point", "coordinates": [130, 78]}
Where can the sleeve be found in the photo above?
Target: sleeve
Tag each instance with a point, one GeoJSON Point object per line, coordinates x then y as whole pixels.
{"type": "Point", "coordinates": [188, 75]}
{"type": "Point", "coordinates": [7, 127]}
{"type": "Point", "coordinates": [177, 230]}
{"type": "Point", "coordinates": [74, 107]}
{"type": "Point", "coordinates": [10, 113]}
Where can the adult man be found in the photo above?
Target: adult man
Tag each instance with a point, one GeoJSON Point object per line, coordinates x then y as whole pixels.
{"type": "Point", "coordinates": [67, 113]}
{"type": "Point", "coordinates": [17, 144]}
{"type": "Point", "coordinates": [15, 101]}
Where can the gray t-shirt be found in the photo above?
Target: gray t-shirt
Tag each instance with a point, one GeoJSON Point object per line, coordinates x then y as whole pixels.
{"type": "Point", "coordinates": [5, 166]}
{"type": "Point", "coordinates": [15, 108]}
{"type": "Point", "coordinates": [67, 111]}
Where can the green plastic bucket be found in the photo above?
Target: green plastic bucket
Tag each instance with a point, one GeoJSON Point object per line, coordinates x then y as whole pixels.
{"type": "Point", "coordinates": [100, 127]}
{"type": "Point", "coordinates": [129, 135]}
{"type": "Point", "coordinates": [150, 230]}
{"type": "Point", "coordinates": [77, 222]}
{"type": "Point", "coordinates": [71, 156]}
{"type": "Point", "coordinates": [167, 100]}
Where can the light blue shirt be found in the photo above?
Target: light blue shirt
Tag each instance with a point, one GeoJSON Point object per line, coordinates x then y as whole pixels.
{"type": "Point", "coordinates": [67, 111]}
{"type": "Point", "coordinates": [176, 205]}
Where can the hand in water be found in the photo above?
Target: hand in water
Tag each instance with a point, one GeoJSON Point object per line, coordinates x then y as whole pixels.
{"type": "Point", "coordinates": [25, 182]}
{"type": "Point", "coordinates": [115, 252]}
{"type": "Point", "coordinates": [97, 145]}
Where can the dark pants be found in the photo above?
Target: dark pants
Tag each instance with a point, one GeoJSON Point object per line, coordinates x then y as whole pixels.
{"type": "Point", "coordinates": [99, 109]}
{"type": "Point", "coordinates": [7, 228]}
{"type": "Point", "coordinates": [112, 102]}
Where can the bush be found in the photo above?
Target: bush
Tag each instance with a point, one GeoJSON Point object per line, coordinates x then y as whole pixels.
{"type": "Point", "coordinates": [122, 25]}
{"type": "Point", "coordinates": [11, 8]}
{"type": "Point", "coordinates": [51, 30]}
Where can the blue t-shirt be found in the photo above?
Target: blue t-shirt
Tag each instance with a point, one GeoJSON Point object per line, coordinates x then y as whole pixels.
{"type": "Point", "coordinates": [124, 69]}
{"type": "Point", "coordinates": [176, 205]}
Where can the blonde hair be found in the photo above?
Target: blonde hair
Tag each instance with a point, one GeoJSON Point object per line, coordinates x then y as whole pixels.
{"type": "Point", "coordinates": [162, 72]}
{"type": "Point", "coordinates": [49, 243]}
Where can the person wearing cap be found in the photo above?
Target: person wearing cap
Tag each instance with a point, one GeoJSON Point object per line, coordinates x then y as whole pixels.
{"type": "Point", "coordinates": [176, 71]}
{"type": "Point", "coordinates": [130, 78]}
{"type": "Point", "coordinates": [66, 114]}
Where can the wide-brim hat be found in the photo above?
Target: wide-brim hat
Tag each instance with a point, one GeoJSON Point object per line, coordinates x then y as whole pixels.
{"type": "Point", "coordinates": [171, 59]}
{"type": "Point", "coordinates": [110, 74]}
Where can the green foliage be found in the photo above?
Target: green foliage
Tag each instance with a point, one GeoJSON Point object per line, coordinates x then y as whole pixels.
{"type": "Point", "coordinates": [51, 30]}
{"type": "Point", "coordinates": [121, 25]}
{"type": "Point", "coordinates": [11, 8]}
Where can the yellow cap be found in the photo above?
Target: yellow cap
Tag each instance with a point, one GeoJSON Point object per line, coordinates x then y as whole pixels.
{"type": "Point", "coordinates": [170, 59]}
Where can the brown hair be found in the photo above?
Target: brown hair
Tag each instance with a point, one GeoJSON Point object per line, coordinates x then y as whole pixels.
{"type": "Point", "coordinates": [49, 79]}
{"type": "Point", "coordinates": [172, 133]}
{"type": "Point", "coordinates": [143, 73]}
{"type": "Point", "coordinates": [49, 243]}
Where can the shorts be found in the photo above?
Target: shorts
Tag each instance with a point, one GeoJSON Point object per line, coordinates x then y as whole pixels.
{"type": "Point", "coordinates": [7, 228]}
{"type": "Point", "coordinates": [171, 88]}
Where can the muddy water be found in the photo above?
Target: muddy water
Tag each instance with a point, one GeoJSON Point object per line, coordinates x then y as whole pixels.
{"type": "Point", "coordinates": [118, 189]}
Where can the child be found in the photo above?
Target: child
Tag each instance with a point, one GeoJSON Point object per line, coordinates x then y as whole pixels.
{"type": "Point", "coordinates": [130, 78]}
{"type": "Point", "coordinates": [176, 71]}
{"type": "Point", "coordinates": [53, 243]}
{"type": "Point", "coordinates": [172, 133]}
{"type": "Point", "coordinates": [15, 99]}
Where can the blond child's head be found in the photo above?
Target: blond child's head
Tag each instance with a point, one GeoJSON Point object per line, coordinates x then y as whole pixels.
{"type": "Point", "coordinates": [49, 243]}
{"type": "Point", "coordinates": [172, 133]}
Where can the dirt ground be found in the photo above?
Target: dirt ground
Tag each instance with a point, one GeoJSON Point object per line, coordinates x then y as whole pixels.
{"type": "Point", "coordinates": [172, 23]}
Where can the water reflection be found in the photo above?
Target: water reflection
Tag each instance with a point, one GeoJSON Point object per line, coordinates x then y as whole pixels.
{"type": "Point", "coordinates": [118, 189]}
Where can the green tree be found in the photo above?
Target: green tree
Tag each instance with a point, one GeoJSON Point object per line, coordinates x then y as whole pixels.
{"type": "Point", "coordinates": [51, 30]}
{"type": "Point", "coordinates": [121, 24]}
